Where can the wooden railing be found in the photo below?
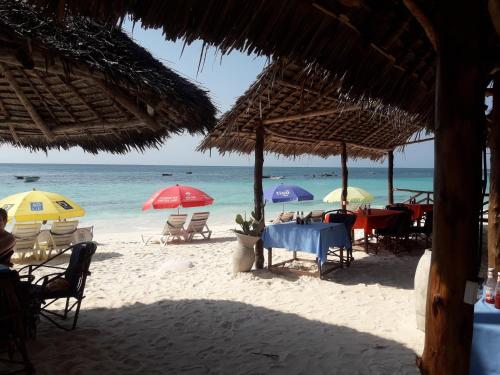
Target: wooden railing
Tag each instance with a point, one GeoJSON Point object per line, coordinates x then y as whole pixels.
{"type": "Point", "coordinates": [419, 196]}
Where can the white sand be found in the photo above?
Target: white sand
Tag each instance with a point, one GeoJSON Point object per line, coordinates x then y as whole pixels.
{"type": "Point", "coordinates": [179, 310]}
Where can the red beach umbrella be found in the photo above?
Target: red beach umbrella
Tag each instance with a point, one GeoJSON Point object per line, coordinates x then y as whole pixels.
{"type": "Point", "coordinates": [176, 196]}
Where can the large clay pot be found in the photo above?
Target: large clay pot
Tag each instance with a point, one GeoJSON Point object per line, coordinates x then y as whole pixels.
{"type": "Point", "coordinates": [421, 282]}
{"type": "Point", "coordinates": [244, 255]}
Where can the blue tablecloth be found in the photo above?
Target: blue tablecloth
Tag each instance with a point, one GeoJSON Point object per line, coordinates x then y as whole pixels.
{"type": "Point", "coordinates": [313, 238]}
{"type": "Point", "coordinates": [485, 355]}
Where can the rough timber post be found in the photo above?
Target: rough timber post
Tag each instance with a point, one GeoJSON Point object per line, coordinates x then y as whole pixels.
{"type": "Point", "coordinates": [494, 200]}
{"type": "Point", "coordinates": [258, 191]}
{"type": "Point", "coordinates": [459, 126]}
{"type": "Point", "coordinates": [390, 177]}
{"type": "Point", "coordinates": [345, 172]}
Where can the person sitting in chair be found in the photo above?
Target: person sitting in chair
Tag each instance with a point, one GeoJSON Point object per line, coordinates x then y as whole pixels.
{"type": "Point", "coordinates": [7, 240]}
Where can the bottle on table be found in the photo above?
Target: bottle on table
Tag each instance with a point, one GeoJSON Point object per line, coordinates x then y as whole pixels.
{"type": "Point", "coordinates": [297, 218]}
{"type": "Point", "coordinates": [497, 293]}
{"type": "Point", "coordinates": [489, 288]}
{"type": "Point", "coordinates": [302, 217]}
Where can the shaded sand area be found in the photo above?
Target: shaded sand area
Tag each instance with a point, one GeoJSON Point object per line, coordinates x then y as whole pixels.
{"type": "Point", "coordinates": [179, 310]}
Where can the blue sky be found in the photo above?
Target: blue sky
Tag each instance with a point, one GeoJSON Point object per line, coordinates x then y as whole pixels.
{"type": "Point", "coordinates": [226, 78]}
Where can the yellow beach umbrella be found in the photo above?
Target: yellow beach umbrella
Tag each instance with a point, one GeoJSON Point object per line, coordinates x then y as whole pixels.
{"type": "Point", "coordinates": [38, 205]}
{"type": "Point", "coordinates": [354, 195]}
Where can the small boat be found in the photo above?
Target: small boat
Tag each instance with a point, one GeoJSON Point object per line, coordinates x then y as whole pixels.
{"type": "Point", "coordinates": [327, 175]}
{"type": "Point", "coordinates": [31, 178]}
{"type": "Point", "coordinates": [19, 177]}
{"type": "Point", "coordinates": [277, 177]}
{"type": "Point", "coordinates": [189, 172]}
{"type": "Point", "coordinates": [166, 174]}
{"type": "Point", "coordinates": [266, 176]}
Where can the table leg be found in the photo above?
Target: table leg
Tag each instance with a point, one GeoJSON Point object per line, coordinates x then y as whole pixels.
{"type": "Point", "coordinates": [269, 258]}
{"type": "Point", "coordinates": [366, 243]}
{"type": "Point", "coordinates": [294, 255]}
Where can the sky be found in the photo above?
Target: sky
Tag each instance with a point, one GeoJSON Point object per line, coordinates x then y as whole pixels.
{"type": "Point", "coordinates": [226, 78]}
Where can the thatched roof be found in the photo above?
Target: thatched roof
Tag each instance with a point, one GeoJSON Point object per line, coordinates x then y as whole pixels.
{"type": "Point", "coordinates": [383, 47]}
{"type": "Point", "coordinates": [88, 85]}
{"type": "Point", "coordinates": [309, 112]}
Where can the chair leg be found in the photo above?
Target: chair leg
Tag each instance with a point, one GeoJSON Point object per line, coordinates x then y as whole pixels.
{"type": "Point", "coordinates": [66, 308]}
{"type": "Point", "coordinates": [77, 312]}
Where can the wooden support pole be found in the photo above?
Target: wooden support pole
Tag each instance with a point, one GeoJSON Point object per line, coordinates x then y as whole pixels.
{"type": "Point", "coordinates": [258, 193]}
{"type": "Point", "coordinates": [26, 102]}
{"type": "Point", "coordinates": [494, 201]}
{"type": "Point", "coordinates": [459, 131]}
{"type": "Point", "coordinates": [345, 172]}
{"type": "Point", "coordinates": [390, 177]}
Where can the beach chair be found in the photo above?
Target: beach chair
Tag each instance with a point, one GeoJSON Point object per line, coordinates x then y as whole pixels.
{"type": "Point", "coordinates": [68, 283]}
{"type": "Point", "coordinates": [316, 215]}
{"type": "Point", "coordinates": [26, 239]}
{"type": "Point", "coordinates": [198, 225]}
{"type": "Point", "coordinates": [284, 217]}
{"type": "Point", "coordinates": [85, 234]}
{"type": "Point", "coordinates": [348, 218]}
{"type": "Point", "coordinates": [173, 229]}
{"type": "Point", "coordinates": [61, 235]}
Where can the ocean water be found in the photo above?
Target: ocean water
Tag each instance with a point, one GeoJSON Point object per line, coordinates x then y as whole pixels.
{"type": "Point", "coordinates": [112, 195]}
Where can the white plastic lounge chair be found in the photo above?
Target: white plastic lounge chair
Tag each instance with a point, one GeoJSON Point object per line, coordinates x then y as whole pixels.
{"type": "Point", "coordinates": [284, 217]}
{"type": "Point", "coordinates": [198, 225]}
{"type": "Point", "coordinates": [173, 229]}
{"type": "Point", "coordinates": [26, 239]}
{"type": "Point", "coordinates": [85, 234]}
{"type": "Point", "coordinates": [61, 235]}
{"type": "Point", "coordinates": [316, 215]}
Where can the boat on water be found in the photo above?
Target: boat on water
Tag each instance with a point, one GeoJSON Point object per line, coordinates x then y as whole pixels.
{"type": "Point", "coordinates": [266, 176]}
{"type": "Point", "coordinates": [277, 177]}
{"type": "Point", "coordinates": [189, 172]}
{"type": "Point", "coordinates": [19, 177]}
{"type": "Point", "coordinates": [166, 174]}
{"type": "Point", "coordinates": [31, 178]}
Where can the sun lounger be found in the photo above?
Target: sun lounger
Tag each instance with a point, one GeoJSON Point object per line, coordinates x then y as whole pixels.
{"type": "Point", "coordinates": [85, 234]}
{"type": "Point", "coordinates": [198, 225]}
{"type": "Point", "coordinates": [173, 229]}
{"type": "Point", "coordinates": [26, 238]}
{"type": "Point", "coordinates": [284, 217]}
{"type": "Point", "coordinates": [62, 235]}
{"type": "Point", "coordinates": [316, 215]}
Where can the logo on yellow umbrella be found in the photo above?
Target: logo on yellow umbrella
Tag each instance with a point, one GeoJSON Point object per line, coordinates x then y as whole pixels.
{"type": "Point", "coordinates": [40, 205]}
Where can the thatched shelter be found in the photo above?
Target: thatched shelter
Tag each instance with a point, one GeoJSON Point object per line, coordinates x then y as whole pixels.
{"type": "Point", "coordinates": [410, 54]}
{"type": "Point", "coordinates": [310, 112]}
{"type": "Point", "coordinates": [89, 85]}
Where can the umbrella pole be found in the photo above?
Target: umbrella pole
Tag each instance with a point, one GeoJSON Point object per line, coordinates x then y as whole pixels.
{"type": "Point", "coordinates": [343, 159]}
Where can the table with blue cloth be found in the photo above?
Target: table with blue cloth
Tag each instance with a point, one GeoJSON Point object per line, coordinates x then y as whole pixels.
{"type": "Point", "coordinates": [485, 358]}
{"type": "Point", "coordinates": [314, 238]}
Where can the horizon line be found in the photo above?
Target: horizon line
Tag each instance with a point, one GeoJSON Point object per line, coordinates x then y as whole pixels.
{"type": "Point", "coordinates": [197, 165]}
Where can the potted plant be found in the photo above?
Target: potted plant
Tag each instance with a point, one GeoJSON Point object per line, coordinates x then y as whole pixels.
{"type": "Point", "coordinates": [248, 235]}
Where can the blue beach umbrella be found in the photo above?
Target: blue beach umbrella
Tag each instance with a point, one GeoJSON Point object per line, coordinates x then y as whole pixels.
{"type": "Point", "coordinates": [286, 193]}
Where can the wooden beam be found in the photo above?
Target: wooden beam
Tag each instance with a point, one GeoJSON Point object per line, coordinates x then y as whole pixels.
{"type": "Point", "coordinates": [345, 173]}
{"type": "Point", "coordinates": [459, 128]}
{"type": "Point", "coordinates": [335, 142]}
{"type": "Point", "coordinates": [14, 134]}
{"type": "Point", "coordinates": [423, 20]}
{"type": "Point", "coordinates": [417, 141]}
{"type": "Point", "coordinates": [390, 177]}
{"type": "Point", "coordinates": [26, 102]}
{"type": "Point", "coordinates": [258, 193]}
{"type": "Point", "coordinates": [494, 198]}
{"type": "Point", "coordinates": [129, 105]}
{"type": "Point", "coordinates": [312, 114]}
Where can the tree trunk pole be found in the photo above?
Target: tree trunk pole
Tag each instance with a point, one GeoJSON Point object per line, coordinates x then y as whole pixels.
{"type": "Point", "coordinates": [494, 205]}
{"type": "Point", "coordinates": [390, 177]}
{"type": "Point", "coordinates": [258, 194]}
{"type": "Point", "coordinates": [345, 173]}
{"type": "Point", "coordinates": [459, 128]}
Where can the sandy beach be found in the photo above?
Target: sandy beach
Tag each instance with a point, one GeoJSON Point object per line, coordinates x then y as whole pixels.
{"type": "Point", "coordinates": [180, 310]}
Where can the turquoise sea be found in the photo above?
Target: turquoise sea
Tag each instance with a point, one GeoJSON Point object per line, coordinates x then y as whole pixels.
{"type": "Point", "coordinates": [114, 193]}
